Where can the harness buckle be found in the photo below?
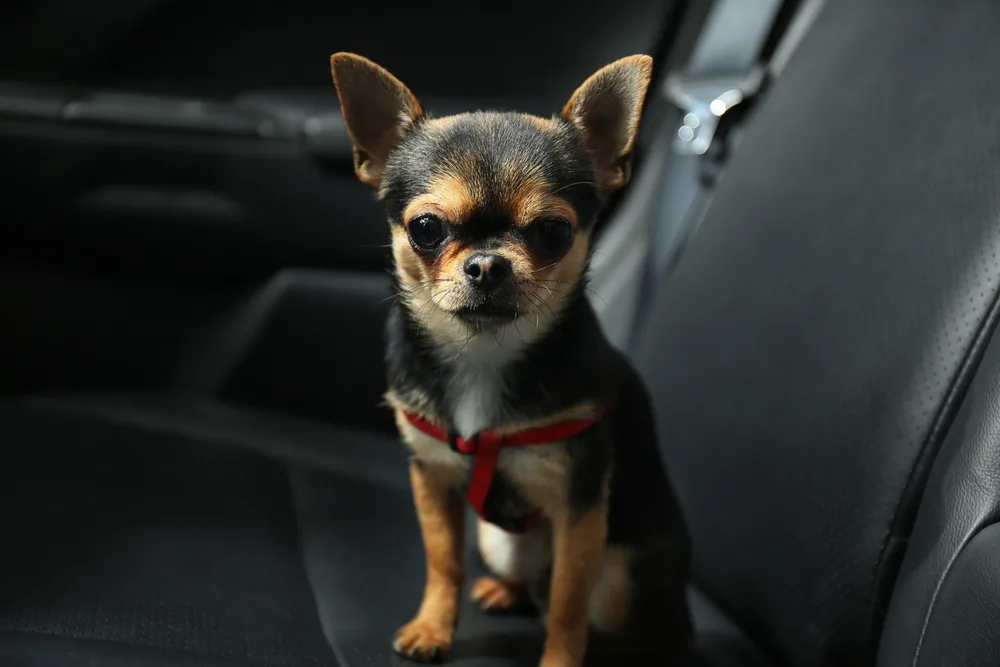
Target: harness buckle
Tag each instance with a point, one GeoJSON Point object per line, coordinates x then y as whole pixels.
{"type": "Point", "coordinates": [473, 445]}
{"type": "Point", "coordinates": [453, 439]}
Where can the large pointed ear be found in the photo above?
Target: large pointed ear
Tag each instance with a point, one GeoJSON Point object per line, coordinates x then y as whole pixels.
{"type": "Point", "coordinates": [376, 108]}
{"type": "Point", "coordinates": [607, 109]}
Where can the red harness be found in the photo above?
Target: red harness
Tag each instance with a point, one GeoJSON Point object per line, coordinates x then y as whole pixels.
{"type": "Point", "coordinates": [486, 446]}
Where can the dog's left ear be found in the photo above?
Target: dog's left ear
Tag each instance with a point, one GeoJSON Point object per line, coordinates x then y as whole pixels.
{"type": "Point", "coordinates": [607, 109]}
{"type": "Point", "coordinates": [376, 107]}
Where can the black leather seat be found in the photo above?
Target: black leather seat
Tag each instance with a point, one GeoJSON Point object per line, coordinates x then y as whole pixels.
{"type": "Point", "coordinates": [208, 469]}
{"type": "Point", "coordinates": [827, 383]}
{"type": "Point", "coordinates": [819, 353]}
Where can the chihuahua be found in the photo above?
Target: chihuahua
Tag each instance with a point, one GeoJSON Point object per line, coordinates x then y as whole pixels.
{"type": "Point", "coordinates": [503, 385]}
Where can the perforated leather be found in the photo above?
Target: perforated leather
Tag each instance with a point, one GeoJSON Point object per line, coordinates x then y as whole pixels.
{"type": "Point", "coordinates": [809, 352]}
{"type": "Point", "coordinates": [946, 602]}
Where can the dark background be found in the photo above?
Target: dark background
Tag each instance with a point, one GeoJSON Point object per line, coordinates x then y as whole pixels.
{"type": "Point", "coordinates": [178, 212]}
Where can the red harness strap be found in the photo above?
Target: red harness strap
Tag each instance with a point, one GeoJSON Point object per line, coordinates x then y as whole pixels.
{"type": "Point", "coordinates": [486, 446]}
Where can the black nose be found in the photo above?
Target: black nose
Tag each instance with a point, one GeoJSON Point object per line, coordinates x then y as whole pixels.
{"type": "Point", "coordinates": [487, 272]}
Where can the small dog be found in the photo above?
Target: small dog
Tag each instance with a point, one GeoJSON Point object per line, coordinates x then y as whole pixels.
{"type": "Point", "coordinates": [502, 382]}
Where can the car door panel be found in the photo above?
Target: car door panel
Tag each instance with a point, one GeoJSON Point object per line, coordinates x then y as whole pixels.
{"type": "Point", "coordinates": [179, 194]}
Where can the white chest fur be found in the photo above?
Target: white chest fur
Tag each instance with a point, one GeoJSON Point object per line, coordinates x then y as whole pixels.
{"type": "Point", "coordinates": [434, 452]}
{"type": "Point", "coordinates": [476, 398]}
{"type": "Point", "coordinates": [476, 391]}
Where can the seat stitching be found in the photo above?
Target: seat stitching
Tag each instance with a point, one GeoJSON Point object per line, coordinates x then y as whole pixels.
{"type": "Point", "coordinates": [924, 460]}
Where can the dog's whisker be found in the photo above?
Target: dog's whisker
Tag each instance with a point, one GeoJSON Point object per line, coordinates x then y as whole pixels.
{"type": "Point", "coordinates": [410, 290]}
{"type": "Point", "coordinates": [594, 292]}
{"type": "Point", "coordinates": [430, 301]}
{"type": "Point", "coordinates": [549, 266]}
{"type": "Point", "coordinates": [566, 282]}
{"type": "Point", "coordinates": [518, 330]}
{"type": "Point", "coordinates": [572, 185]}
{"type": "Point", "coordinates": [540, 305]}
{"type": "Point", "coordinates": [546, 287]}
{"type": "Point", "coordinates": [461, 350]}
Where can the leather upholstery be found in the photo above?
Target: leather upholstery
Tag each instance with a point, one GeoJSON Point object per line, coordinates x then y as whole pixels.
{"type": "Point", "coordinates": [827, 383]}
{"type": "Point", "coordinates": [359, 540]}
{"type": "Point", "coordinates": [961, 628]}
{"type": "Point", "coordinates": [809, 352]}
{"type": "Point", "coordinates": [946, 606]}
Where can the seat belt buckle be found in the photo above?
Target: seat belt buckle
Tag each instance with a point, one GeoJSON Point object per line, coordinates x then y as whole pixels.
{"type": "Point", "coordinates": [704, 101]}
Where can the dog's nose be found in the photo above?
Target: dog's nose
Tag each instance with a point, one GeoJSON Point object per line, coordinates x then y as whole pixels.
{"type": "Point", "coordinates": [488, 271]}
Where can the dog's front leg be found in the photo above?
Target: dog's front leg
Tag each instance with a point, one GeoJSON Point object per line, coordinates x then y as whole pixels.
{"type": "Point", "coordinates": [441, 512]}
{"type": "Point", "coordinates": [578, 548]}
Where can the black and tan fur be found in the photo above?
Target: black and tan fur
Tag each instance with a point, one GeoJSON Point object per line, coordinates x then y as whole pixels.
{"type": "Point", "coordinates": [504, 189]}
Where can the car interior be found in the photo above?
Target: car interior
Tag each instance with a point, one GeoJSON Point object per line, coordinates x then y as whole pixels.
{"type": "Point", "coordinates": [197, 465]}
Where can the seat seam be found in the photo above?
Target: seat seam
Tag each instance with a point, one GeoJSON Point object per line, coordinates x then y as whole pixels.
{"type": "Point", "coordinates": [990, 521]}
{"type": "Point", "coordinates": [926, 455]}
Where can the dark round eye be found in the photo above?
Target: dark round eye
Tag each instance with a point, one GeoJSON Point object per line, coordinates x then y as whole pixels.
{"type": "Point", "coordinates": [426, 232]}
{"type": "Point", "coordinates": [552, 236]}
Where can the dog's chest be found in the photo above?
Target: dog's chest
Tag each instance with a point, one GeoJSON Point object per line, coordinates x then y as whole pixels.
{"type": "Point", "coordinates": [476, 398]}
{"type": "Point", "coordinates": [526, 477]}
{"type": "Point", "coordinates": [476, 401]}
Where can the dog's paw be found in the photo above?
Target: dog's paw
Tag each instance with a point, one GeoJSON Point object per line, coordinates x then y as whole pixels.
{"type": "Point", "coordinates": [422, 642]}
{"type": "Point", "coordinates": [493, 595]}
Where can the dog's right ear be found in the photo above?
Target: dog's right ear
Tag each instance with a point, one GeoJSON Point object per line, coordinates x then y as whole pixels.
{"type": "Point", "coordinates": [376, 108]}
{"type": "Point", "coordinates": [607, 109]}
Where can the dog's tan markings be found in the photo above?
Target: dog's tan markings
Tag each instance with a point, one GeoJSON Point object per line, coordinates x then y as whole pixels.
{"type": "Point", "coordinates": [409, 268]}
{"type": "Point", "coordinates": [448, 468]}
{"type": "Point", "coordinates": [441, 512]}
{"type": "Point", "coordinates": [570, 267]}
{"type": "Point", "coordinates": [449, 195]}
{"type": "Point", "coordinates": [414, 401]}
{"type": "Point", "coordinates": [426, 204]}
{"type": "Point", "coordinates": [420, 285]}
{"type": "Point", "coordinates": [578, 546]}
{"type": "Point", "coordinates": [496, 595]}
{"type": "Point", "coordinates": [526, 193]}
{"type": "Point", "coordinates": [450, 263]}
{"type": "Point", "coordinates": [609, 602]}
{"type": "Point", "coordinates": [533, 198]}
{"type": "Point", "coordinates": [582, 410]}
{"type": "Point", "coordinates": [550, 283]}
{"type": "Point", "coordinates": [540, 473]}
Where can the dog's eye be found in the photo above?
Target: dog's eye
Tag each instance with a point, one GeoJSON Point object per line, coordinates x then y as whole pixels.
{"type": "Point", "coordinates": [426, 232]}
{"type": "Point", "coordinates": [552, 236]}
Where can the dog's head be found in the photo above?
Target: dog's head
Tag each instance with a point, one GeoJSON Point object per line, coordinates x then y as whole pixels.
{"type": "Point", "coordinates": [491, 212]}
